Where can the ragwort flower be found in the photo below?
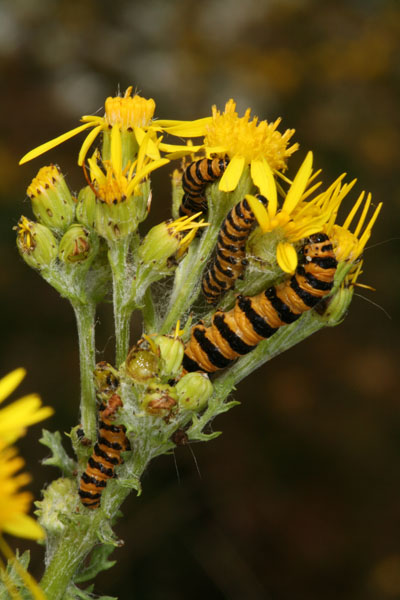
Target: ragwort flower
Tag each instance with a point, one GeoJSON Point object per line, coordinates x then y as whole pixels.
{"type": "Point", "coordinates": [132, 115]}
{"type": "Point", "coordinates": [299, 217]}
{"type": "Point", "coordinates": [245, 142]}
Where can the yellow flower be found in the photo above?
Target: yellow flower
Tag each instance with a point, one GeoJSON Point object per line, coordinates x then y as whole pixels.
{"type": "Point", "coordinates": [350, 245]}
{"type": "Point", "coordinates": [246, 142]}
{"type": "Point", "coordinates": [130, 114]}
{"type": "Point", "coordinates": [115, 184]}
{"type": "Point", "coordinates": [16, 417]}
{"type": "Point", "coordinates": [299, 217]}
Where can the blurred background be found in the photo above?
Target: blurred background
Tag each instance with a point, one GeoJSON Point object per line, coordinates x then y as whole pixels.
{"type": "Point", "coordinates": [300, 496]}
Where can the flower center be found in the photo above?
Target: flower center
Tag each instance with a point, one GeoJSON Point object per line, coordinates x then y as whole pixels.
{"type": "Point", "coordinates": [252, 140]}
{"type": "Point", "coordinates": [129, 111]}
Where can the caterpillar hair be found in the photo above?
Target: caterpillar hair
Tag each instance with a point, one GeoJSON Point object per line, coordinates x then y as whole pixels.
{"type": "Point", "coordinates": [230, 260]}
{"type": "Point", "coordinates": [238, 331]}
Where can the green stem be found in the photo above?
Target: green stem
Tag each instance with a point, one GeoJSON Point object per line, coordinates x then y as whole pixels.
{"type": "Point", "coordinates": [282, 340]}
{"type": "Point", "coordinates": [85, 318]}
{"type": "Point", "coordinates": [78, 541]}
{"type": "Point", "coordinates": [117, 256]}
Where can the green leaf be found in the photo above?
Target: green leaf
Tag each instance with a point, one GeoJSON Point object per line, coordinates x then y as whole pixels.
{"type": "Point", "coordinates": [59, 456]}
{"type": "Point", "coordinates": [98, 562]}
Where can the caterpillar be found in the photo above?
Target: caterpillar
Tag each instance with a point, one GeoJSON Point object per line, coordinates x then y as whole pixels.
{"type": "Point", "coordinates": [110, 443]}
{"type": "Point", "coordinates": [194, 181]}
{"type": "Point", "coordinates": [230, 260]}
{"type": "Point", "coordinates": [238, 331]}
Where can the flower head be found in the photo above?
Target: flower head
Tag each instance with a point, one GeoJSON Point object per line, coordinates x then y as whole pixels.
{"type": "Point", "coordinates": [115, 184]}
{"type": "Point", "coordinates": [14, 419]}
{"type": "Point", "coordinates": [299, 217]}
{"type": "Point", "coordinates": [132, 115]}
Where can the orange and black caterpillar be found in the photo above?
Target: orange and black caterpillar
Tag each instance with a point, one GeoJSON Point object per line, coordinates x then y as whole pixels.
{"type": "Point", "coordinates": [230, 261]}
{"type": "Point", "coordinates": [106, 455]}
{"type": "Point", "coordinates": [195, 178]}
{"type": "Point", "coordinates": [253, 319]}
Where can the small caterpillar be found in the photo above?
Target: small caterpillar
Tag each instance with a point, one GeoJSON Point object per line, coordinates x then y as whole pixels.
{"type": "Point", "coordinates": [110, 443]}
{"type": "Point", "coordinates": [194, 181]}
{"type": "Point", "coordinates": [253, 319]}
{"type": "Point", "coordinates": [230, 261]}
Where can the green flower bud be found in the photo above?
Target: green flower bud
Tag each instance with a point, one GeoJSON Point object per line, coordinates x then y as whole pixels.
{"type": "Point", "coordinates": [194, 390]}
{"type": "Point", "coordinates": [77, 244]}
{"type": "Point", "coordinates": [160, 400]}
{"type": "Point", "coordinates": [59, 499]}
{"type": "Point", "coordinates": [52, 202]}
{"type": "Point", "coordinates": [36, 244]}
{"type": "Point", "coordinates": [334, 308]}
{"type": "Point", "coordinates": [86, 207]}
{"type": "Point", "coordinates": [159, 247]}
{"type": "Point", "coordinates": [116, 220]}
{"type": "Point", "coordinates": [106, 380]}
{"type": "Point", "coordinates": [171, 352]}
{"type": "Point", "coordinates": [141, 365]}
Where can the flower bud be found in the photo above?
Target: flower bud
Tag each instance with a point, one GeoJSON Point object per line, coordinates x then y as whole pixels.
{"type": "Point", "coordinates": [141, 365]}
{"type": "Point", "coordinates": [77, 244]}
{"type": "Point", "coordinates": [159, 400]}
{"type": "Point", "coordinates": [36, 244]}
{"type": "Point", "coordinates": [59, 500]}
{"type": "Point", "coordinates": [159, 247]}
{"type": "Point", "coordinates": [171, 352]}
{"type": "Point", "coordinates": [333, 310]}
{"type": "Point", "coordinates": [86, 207]}
{"type": "Point", "coordinates": [117, 220]}
{"type": "Point", "coordinates": [194, 390]}
{"type": "Point", "coordinates": [52, 202]}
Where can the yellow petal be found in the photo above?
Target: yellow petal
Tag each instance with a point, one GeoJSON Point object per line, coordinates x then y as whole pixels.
{"type": "Point", "coordinates": [89, 139]}
{"type": "Point", "coordinates": [24, 526]}
{"type": "Point", "coordinates": [260, 212]}
{"type": "Point", "coordinates": [263, 177]}
{"type": "Point", "coordinates": [53, 143]}
{"type": "Point", "coordinates": [10, 382]}
{"type": "Point", "coordinates": [116, 150]}
{"type": "Point", "coordinates": [151, 149]}
{"type": "Point", "coordinates": [156, 164]}
{"type": "Point", "coordinates": [286, 256]}
{"type": "Point", "coordinates": [299, 184]}
{"type": "Point", "coordinates": [195, 128]}
{"type": "Point", "coordinates": [230, 178]}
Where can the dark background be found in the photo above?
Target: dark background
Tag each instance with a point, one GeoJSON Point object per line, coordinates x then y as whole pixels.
{"type": "Point", "coordinates": [300, 496]}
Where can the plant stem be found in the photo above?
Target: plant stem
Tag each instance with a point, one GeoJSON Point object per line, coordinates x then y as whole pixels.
{"type": "Point", "coordinates": [85, 318]}
{"type": "Point", "coordinates": [282, 340]}
{"type": "Point", "coordinates": [117, 256]}
{"type": "Point", "coordinates": [79, 539]}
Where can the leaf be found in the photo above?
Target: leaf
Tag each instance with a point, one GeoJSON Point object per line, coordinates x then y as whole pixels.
{"type": "Point", "coordinates": [98, 562]}
{"type": "Point", "coordinates": [59, 456]}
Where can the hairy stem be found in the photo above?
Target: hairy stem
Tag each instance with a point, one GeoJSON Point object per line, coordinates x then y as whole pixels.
{"type": "Point", "coordinates": [85, 318]}
{"type": "Point", "coordinates": [117, 256]}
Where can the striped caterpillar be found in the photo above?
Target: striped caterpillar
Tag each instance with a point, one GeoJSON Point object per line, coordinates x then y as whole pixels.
{"type": "Point", "coordinates": [230, 260]}
{"type": "Point", "coordinates": [194, 181]}
{"type": "Point", "coordinates": [238, 331]}
{"type": "Point", "coordinates": [110, 443]}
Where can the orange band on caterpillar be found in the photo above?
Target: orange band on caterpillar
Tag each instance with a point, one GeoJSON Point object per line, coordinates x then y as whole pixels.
{"type": "Point", "coordinates": [194, 181]}
{"type": "Point", "coordinates": [106, 455]}
{"type": "Point", "coordinates": [230, 260]}
{"type": "Point", "coordinates": [238, 331]}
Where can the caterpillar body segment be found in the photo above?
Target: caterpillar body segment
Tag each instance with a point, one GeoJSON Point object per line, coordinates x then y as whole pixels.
{"type": "Point", "coordinates": [252, 319]}
{"type": "Point", "coordinates": [195, 179]}
{"type": "Point", "coordinates": [230, 259]}
{"type": "Point", "coordinates": [106, 455]}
